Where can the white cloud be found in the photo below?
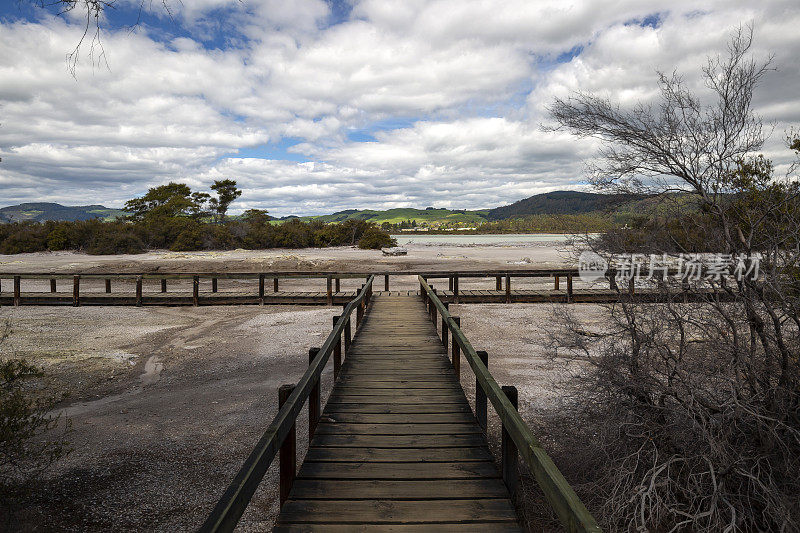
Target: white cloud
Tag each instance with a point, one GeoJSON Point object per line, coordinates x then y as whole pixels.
{"type": "Point", "coordinates": [453, 92]}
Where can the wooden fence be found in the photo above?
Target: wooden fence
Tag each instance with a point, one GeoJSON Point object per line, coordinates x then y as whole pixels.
{"type": "Point", "coordinates": [279, 438]}
{"type": "Point", "coordinates": [517, 437]}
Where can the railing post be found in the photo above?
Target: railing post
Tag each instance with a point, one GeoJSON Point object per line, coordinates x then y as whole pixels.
{"type": "Point", "coordinates": [261, 289]}
{"type": "Point", "coordinates": [348, 335]}
{"type": "Point", "coordinates": [213, 284]}
{"type": "Point", "coordinates": [17, 290]}
{"type": "Point", "coordinates": [52, 284]}
{"type": "Point", "coordinates": [337, 351]}
{"type": "Point", "coordinates": [456, 351]}
{"type": "Point", "coordinates": [163, 284]}
{"type": "Point", "coordinates": [450, 283]}
{"type": "Point", "coordinates": [555, 283]}
{"type": "Point", "coordinates": [480, 395]}
{"type": "Point", "coordinates": [288, 450]}
{"type": "Point", "coordinates": [455, 289]}
{"type": "Point", "coordinates": [509, 455]}
{"type": "Point", "coordinates": [386, 282]}
{"type": "Point", "coordinates": [433, 308]}
{"type": "Point", "coordinates": [313, 398]}
{"type": "Point", "coordinates": [498, 283]}
{"type": "Point", "coordinates": [508, 288]}
{"type": "Point", "coordinates": [569, 288]}
{"type": "Point", "coordinates": [195, 290]}
{"type": "Point", "coordinates": [274, 284]}
{"type": "Point", "coordinates": [360, 310]}
{"type": "Point", "coordinates": [108, 285]}
{"type": "Point", "coordinates": [338, 287]}
{"type": "Point", "coordinates": [445, 329]}
{"type": "Point", "coordinates": [329, 290]}
{"type": "Point", "coordinates": [138, 291]}
{"type": "Point", "coordinates": [612, 279]}
{"type": "Point", "coordinates": [76, 291]}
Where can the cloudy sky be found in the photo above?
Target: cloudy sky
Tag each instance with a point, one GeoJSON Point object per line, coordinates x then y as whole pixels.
{"type": "Point", "coordinates": [317, 106]}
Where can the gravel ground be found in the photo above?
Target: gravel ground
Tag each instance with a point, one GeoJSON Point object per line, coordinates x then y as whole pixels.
{"type": "Point", "coordinates": [154, 447]}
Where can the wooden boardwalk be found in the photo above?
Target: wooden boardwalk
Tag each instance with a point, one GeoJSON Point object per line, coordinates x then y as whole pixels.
{"type": "Point", "coordinates": [397, 447]}
{"type": "Point", "coordinates": [468, 296]}
{"type": "Point", "coordinates": [179, 298]}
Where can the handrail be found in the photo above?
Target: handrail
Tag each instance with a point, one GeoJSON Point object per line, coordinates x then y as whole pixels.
{"type": "Point", "coordinates": [561, 497]}
{"type": "Point", "coordinates": [427, 274]}
{"type": "Point", "coordinates": [231, 506]}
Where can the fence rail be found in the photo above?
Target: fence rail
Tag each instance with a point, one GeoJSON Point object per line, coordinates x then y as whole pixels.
{"type": "Point", "coordinates": [570, 510]}
{"type": "Point", "coordinates": [76, 293]}
{"type": "Point", "coordinates": [279, 436]}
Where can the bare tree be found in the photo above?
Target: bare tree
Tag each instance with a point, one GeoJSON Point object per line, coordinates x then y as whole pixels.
{"type": "Point", "coordinates": [689, 413]}
{"type": "Point", "coordinates": [93, 11]}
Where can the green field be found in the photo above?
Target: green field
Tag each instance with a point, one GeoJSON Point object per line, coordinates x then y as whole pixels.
{"type": "Point", "coordinates": [427, 217]}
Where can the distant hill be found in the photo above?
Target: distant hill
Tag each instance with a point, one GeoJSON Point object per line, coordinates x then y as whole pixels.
{"type": "Point", "coordinates": [398, 215]}
{"type": "Point", "coordinates": [560, 203]}
{"type": "Point", "coordinates": [42, 211]}
{"type": "Point", "coordinates": [551, 203]}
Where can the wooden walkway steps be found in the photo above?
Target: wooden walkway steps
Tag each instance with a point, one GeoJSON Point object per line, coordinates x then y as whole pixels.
{"type": "Point", "coordinates": [397, 447]}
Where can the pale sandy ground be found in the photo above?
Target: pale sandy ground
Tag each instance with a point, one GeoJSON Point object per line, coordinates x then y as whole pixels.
{"type": "Point", "coordinates": [167, 402]}
{"type": "Point", "coordinates": [344, 258]}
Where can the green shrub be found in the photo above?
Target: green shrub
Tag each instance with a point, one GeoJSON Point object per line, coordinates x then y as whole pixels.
{"type": "Point", "coordinates": [374, 239]}
{"type": "Point", "coordinates": [109, 243]}
{"type": "Point", "coordinates": [57, 238]}
{"type": "Point", "coordinates": [24, 419]}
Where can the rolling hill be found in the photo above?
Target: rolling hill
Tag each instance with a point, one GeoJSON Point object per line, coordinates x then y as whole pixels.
{"type": "Point", "coordinates": [560, 203]}
{"type": "Point", "coordinates": [42, 211]}
{"type": "Point", "coordinates": [398, 215]}
{"type": "Point", "coordinates": [551, 203]}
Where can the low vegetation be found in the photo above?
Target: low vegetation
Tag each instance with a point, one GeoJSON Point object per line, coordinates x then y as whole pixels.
{"type": "Point", "coordinates": [29, 440]}
{"type": "Point", "coordinates": [174, 217]}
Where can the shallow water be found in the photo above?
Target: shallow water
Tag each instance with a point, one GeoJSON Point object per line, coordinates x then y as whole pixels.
{"type": "Point", "coordinates": [467, 240]}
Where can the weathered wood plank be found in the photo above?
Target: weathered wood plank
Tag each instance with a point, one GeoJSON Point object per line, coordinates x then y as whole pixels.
{"type": "Point", "coordinates": [397, 429]}
{"type": "Point", "coordinates": [397, 408]}
{"type": "Point", "coordinates": [394, 511]}
{"type": "Point", "coordinates": [449, 527]}
{"type": "Point", "coordinates": [361, 489]}
{"type": "Point", "coordinates": [399, 441]}
{"type": "Point", "coordinates": [343, 417]}
{"type": "Point", "coordinates": [394, 455]}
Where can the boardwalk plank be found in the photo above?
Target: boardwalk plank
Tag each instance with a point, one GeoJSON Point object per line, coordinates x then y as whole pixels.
{"type": "Point", "coordinates": [360, 489]}
{"type": "Point", "coordinates": [398, 511]}
{"type": "Point", "coordinates": [393, 455]}
{"type": "Point", "coordinates": [397, 447]}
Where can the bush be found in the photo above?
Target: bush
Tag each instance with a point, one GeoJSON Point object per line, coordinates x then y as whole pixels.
{"type": "Point", "coordinates": [109, 243]}
{"type": "Point", "coordinates": [23, 417]}
{"type": "Point", "coordinates": [181, 233]}
{"type": "Point", "coordinates": [375, 239]}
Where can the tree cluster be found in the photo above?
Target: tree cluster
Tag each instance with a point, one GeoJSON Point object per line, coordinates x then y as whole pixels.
{"type": "Point", "coordinates": [174, 217]}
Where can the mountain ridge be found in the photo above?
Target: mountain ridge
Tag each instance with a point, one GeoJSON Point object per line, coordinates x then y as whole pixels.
{"type": "Point", "coordinates": [549, 203]}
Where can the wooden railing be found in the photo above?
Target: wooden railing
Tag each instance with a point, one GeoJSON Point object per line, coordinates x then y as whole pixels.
{"type": "Point", "coordinates": [333, 281]}
{"type": "Point", "coordinates": [517, 437]}
{"type": "Point", "coordinates": [280, 435]}
{"type": "Point", "coordinates": [499, 276]}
